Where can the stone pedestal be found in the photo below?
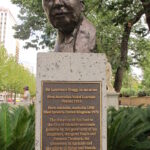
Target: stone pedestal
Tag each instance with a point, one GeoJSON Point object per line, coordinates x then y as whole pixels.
{"type": "Point", "coordinates": [73, 68]}
{"type": "Point", "coordinates": [112, 100]}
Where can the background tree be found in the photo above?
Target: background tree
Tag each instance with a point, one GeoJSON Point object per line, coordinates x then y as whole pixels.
{"type": "Point", "coordinates": [125, 14]}
{"type": "Point", "coordinates": [13, 76]}
{"type": "Point", "coordinates": [3, 63]}
{"type": "Point", "coordinates": [145, 61]}
{"type": "Point", "coordinates": [34, 25]}
{"type": "Point", "coordinates": [128, 13]}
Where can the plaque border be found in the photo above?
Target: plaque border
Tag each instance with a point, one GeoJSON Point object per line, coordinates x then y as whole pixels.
{"type": "Point", "coordinates": [73, 82]}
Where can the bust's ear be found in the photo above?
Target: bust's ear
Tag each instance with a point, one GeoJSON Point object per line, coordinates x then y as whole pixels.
{"type": "Point", "coordinates": [82, 5]}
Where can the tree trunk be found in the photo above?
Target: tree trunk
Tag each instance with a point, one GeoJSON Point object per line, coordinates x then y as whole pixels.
{"type": "Point", "coordinates": [123, 59]}
{"type": "Point", "coordinates": [124, 51]}
{"type": "Point", "coordinates": [15, 98]}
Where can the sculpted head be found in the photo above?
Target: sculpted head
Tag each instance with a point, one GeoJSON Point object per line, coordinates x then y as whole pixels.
{"type": "Point", "coordinates": [63, 14]}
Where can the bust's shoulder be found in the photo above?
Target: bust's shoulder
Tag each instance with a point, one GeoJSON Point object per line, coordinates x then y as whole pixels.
{"type": "Point", "coordinates": [87, 26]}
{"type": "Point", "coordinates": [86, 38]}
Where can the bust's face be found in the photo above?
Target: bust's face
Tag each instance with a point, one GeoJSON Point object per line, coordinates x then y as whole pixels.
{"type": "Point", "coordinates": [63, 14]}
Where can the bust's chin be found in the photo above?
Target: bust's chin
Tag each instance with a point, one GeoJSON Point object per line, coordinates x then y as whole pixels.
{"type": "Point", "coordinates": [66, 29]}
{"type": "Point", "coordinates": [66, 26]}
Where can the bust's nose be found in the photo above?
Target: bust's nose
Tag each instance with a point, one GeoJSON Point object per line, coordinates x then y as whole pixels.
{"type": "Point", "coordinates": [57, 2]}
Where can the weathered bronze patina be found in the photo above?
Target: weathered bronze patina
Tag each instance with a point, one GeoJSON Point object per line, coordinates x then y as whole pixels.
{"type": "Point", "coordinates": [71, 116]}
{"type": "Point", "coordinates": [75, 32]}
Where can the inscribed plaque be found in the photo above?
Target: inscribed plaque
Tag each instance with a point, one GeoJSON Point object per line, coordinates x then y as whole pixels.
{"type": "Point", "coordinates": [71, 115]}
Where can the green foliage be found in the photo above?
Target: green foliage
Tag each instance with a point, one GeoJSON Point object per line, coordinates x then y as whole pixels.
{"type": "Point", "coordinates": [141, 93]}
{"type": "Point", "coordinates": [127, 92]}
{"type": "Point", "coordinates": [129, 129]}
{"type": "Point", "coordinates": [13, 76]}
{"type": "Point", "coordinates": [129, 81]}
{"type": "Point", "coordinates": [3, 62]}
{"type": "Point", "coordinates": [5, 127]}
{"type": "Point", "coordinates": [130, 85]}
{"type": "Point", "coordinates": [125, 10]}
{"type": "Point", "coordinates": [17, 127]}
{"type": "Point", "coordinates": [145, 92]}
{"type": "Point", "coordinates": [143, 55]}
{"type": "Point", "coordinates": [146, 76]}
{"type": "Point", "coordinates": [34, 25]}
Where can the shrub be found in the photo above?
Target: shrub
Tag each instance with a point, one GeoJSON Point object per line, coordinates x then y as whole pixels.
{"type": "Point", "coordinates": [144, 93]}
{"type": "Point", "coordinates": [141, 93]}
{"type": "Point", "coordinates": [126, 92]}
{"type": "Point", "coordinates": [147, 92]}
{"type": "Point", "coordinates": [129, 129]}
{"type": "Point", "coordinates": [17, 127]}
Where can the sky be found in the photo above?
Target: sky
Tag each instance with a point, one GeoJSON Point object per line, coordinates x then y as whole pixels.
{"type": "Point", "coordinates": [7, 4]}
{"type": "Point", "coordinates": [27, 57]}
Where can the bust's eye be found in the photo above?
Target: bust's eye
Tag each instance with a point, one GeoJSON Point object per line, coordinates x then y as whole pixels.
{"type": "Point", "coordinates": [48, 0]}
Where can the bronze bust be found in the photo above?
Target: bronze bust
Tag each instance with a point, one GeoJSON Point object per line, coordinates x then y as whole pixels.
{"type": "Point", "coordinates": [75, 32]}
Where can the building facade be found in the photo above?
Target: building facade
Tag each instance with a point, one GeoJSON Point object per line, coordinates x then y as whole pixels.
{"type": "Point", "coordinates": [7, 22]}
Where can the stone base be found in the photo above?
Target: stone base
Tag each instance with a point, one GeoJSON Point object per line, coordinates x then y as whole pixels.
{"type": "Point", "coordinates": [71, 67]}
{"type": "Point", "coordinates": [112, 100]}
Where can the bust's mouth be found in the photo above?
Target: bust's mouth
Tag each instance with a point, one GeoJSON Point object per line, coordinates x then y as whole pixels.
{"type": "Point", "coordinates": [58, 14]}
